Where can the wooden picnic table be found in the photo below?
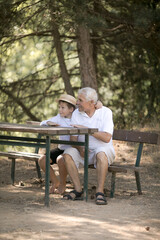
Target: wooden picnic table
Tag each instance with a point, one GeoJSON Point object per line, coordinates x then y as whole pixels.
{"type": "Point", "coordinates": [7, 138]}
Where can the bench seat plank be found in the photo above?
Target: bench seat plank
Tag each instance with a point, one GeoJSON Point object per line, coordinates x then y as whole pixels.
{"type": "Point", "coordinates": [21, 155]}
{"type": "Point", "coordinates": [112, 168]}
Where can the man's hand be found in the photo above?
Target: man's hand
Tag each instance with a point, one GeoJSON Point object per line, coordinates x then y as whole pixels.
{"type": "Point", "coordinates": [79, 148]}
{"type": "Point", "coordinates": [81, 151]}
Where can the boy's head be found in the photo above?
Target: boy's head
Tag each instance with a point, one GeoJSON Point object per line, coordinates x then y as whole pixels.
{"type": "Point", "coordinates": [67, 105]}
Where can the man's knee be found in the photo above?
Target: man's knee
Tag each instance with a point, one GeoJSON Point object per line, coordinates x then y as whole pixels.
{"type": "Point", "coordinates": [101, 157]}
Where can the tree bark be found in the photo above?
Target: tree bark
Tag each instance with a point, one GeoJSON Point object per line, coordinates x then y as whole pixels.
{"type": "Point", "coordinates": [85, 53]}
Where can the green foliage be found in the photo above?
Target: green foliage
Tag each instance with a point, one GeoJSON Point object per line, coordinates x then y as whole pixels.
{"type": "Point", "coordinates": [125, 37]}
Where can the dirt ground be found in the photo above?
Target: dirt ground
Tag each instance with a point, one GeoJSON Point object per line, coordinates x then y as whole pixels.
{"type": "Point", "coordinates": [127, 215]}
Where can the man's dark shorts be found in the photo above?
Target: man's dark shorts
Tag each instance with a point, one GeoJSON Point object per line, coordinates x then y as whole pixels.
{"type": "Point", "coordinates": [54, 153]}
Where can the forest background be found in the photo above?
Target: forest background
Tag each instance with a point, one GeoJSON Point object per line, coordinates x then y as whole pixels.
{"type": "Point", "coordinates": [51, 47]}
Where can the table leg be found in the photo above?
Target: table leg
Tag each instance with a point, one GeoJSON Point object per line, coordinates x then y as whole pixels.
{"type": "Point", "coordinates": [137, 164]}
{"type": "Point", "coordinates": [13, 170]}
{"type": "Point", "coordinates": [86, 168]}
{"type": "Point", "coordinates": [47, 173]}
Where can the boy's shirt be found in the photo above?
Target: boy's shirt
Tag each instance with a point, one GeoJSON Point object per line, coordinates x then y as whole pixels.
{"type": "Point", "coordinates": [62, 122]}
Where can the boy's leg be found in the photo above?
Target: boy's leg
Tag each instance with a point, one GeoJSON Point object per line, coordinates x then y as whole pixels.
{"type": "Point", "coordinates": [62, 174]}
{"type": "Point", "coordinates": [54, 180]}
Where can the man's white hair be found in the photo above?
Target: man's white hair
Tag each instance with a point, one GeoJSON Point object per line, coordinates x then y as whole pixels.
{"type": "Point", "coordinates": [89, 93]}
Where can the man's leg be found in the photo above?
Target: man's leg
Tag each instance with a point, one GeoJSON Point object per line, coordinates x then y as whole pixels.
{"type": "Point", "coordinates": [102, 169]}
{"type": "Point", "coordinates": [73, 173]}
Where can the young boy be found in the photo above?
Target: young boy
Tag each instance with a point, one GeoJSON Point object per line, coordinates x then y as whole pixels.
{"type": "Point", "coordinates": [67, 104]}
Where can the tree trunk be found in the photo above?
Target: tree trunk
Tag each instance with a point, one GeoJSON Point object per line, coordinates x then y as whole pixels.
{"type": "Point", "coordinates": [85, 53]}
{"type": "Point", "coordinates": [60, 56]}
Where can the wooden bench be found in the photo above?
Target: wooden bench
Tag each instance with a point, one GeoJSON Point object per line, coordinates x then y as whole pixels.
{"type": "Point", "coordinates": [136, 137]}
{"type": "Point", "coordinates": [21, 155]}
{"type": "Point", "coordinates": [13, 155]}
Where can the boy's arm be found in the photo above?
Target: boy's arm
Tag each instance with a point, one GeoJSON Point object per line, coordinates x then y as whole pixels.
{"type": "Point", "coordinates": [98, 105]}
{"type": "Point", "coordinates": [49, 123]}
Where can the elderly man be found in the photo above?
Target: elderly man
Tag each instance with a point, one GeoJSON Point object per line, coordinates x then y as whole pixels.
{"type": "Point", "coordinates": [101, 151]}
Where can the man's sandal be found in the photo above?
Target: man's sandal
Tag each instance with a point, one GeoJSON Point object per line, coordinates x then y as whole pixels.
{"type": "Point", "coordinates": [73, 195]}
{"type": "Point", "coordinates": [100, 199]}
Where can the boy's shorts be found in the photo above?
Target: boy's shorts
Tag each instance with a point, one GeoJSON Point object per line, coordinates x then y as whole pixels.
{"type": "Point", "coordinates": [54, 153]}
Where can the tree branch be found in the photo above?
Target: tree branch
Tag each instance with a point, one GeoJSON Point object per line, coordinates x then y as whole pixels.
{"type": "Point", "coordinates": [18, 101]}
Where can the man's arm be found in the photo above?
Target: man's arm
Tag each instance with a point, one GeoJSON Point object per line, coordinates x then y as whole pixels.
{"type": "Point", "coordinates": [79, 148]}
{"type": "Point", "coordinates": [103, 136]}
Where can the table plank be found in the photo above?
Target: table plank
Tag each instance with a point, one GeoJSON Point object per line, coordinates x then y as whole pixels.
{"type": "Point", "coordinates": [48, 130]}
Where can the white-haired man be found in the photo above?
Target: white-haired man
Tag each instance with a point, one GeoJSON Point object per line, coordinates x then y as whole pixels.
{"type": "Point", "coordinates": [101, 151]}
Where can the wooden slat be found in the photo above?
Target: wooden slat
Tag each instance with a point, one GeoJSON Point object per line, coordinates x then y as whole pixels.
{"type": "Point", "coordinates": [136, 136]}
{"type": "Point", "coordinates": [33, 123]}
{"type": "Point", "coordinates": [72, 130]}
{"type": "Point", "coordinates": [25, 153]}
{"type": "Point", "coordinates": [20, 155]}
{"type": "Point", "coordinates": [113, 168]}
{"type": "Point", "coordinates": [49, 130]}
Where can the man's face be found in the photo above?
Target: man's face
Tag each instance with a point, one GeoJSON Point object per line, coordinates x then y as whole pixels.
{"type": "Point", "coordinates": [82, 104]}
